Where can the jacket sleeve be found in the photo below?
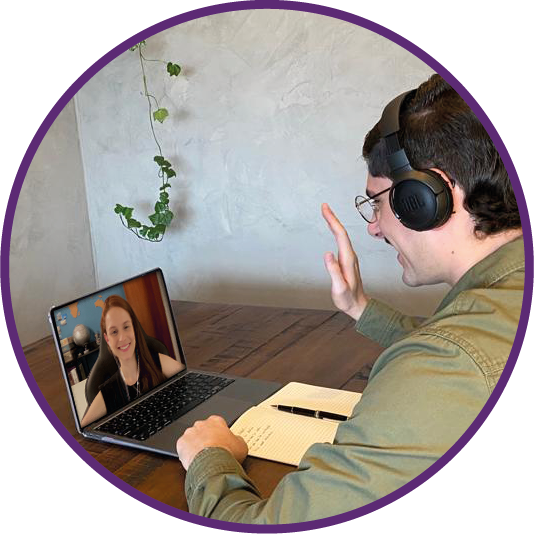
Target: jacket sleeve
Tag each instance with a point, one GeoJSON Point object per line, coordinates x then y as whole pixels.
{"type": "Point", "coordinates": [421, 399]}
{"type": "Point", "coordinates": [384, 324]}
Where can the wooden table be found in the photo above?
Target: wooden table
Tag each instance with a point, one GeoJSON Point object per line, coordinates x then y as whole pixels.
{"type": "Point", "coordinates": [313, 346]}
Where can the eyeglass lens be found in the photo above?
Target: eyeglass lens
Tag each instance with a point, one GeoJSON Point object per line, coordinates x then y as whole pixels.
{"type": "Point", "coordinates": [365, 207]}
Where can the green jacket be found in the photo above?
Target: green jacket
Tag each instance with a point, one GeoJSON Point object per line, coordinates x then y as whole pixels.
{"type": "Point", "coordinates": [424, 391]}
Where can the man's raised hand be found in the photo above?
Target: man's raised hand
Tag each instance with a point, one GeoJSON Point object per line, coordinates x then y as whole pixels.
{"type": "Point", "coordinates": [347, 289]}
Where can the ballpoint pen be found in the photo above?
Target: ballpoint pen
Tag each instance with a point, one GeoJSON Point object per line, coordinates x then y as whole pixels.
{"type": "Point", "coordinates": [318, 414]}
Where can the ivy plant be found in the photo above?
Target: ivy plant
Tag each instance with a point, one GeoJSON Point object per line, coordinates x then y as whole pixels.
{"type": "Point", "coordinates": [162, 216]}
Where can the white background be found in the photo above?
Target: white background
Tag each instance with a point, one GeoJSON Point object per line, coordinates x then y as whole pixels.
{"type": "Point", "coordinates": [46, 46]}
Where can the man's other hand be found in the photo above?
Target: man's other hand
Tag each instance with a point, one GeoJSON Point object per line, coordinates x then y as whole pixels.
{"type": "Point", "coordinates": [347, 289]}
{"type": "Point", "coordinates": [213, 432]}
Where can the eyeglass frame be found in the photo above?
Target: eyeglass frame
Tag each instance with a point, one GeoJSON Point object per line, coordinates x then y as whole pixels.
{"type": "Point", "coordinates": [367, 199]}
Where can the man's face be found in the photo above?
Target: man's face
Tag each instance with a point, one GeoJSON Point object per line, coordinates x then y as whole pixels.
{"type": "Point", "coordinates": [417, 252]}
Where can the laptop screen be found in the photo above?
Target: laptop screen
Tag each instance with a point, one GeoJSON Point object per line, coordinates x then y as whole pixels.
{"type": "Point", "coordinates": [116, 345]}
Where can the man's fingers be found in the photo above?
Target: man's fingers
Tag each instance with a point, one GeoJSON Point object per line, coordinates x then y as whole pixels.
{"type": "Point", "coordinates": [340, 234]}
{"type": "Point", "coordinates": [339, 284]}
{"type": "Point", "coordinates": [347, 256]}
{"type": "Point", "coordinates": [333, 222]}
{"type": "Point", "coordinates": [217, 419]}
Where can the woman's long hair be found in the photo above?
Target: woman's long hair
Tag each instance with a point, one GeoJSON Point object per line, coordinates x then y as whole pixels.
{"type": "Point", "coordinates": [149, 374]}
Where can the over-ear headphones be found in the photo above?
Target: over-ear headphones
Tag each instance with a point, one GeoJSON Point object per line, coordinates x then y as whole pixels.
{"type": "Point", "coordinates": [420, 199]}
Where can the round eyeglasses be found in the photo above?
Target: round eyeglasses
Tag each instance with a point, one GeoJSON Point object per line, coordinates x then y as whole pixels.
{"type": "Point", "coordinates": [368, 207]}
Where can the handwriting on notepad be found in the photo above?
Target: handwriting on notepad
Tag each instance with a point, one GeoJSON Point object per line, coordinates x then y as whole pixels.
{"type": "Point", "coordinates": [280, 436]}
{"type": "Point", "coordinates": [285, 437]}
{"type": "Point", "coordinates": [256, 436]}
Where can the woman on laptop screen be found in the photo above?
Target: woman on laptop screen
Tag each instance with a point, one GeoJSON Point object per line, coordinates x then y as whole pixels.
{"type": "Point", "coordinates": [138, 369]}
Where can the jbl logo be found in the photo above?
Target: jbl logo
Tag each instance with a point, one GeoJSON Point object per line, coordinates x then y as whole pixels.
{"type": "Point", "coordinates": [411, 203]}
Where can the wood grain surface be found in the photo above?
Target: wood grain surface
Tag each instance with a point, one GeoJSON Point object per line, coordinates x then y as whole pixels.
{"type": "Point", "coordinates": [318, 347]}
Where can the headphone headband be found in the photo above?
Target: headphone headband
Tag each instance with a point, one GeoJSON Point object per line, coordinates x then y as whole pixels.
{"type": "Point", "coordinates": [389, 122]}
{"type": "Point", "coordinates": [389, 127]}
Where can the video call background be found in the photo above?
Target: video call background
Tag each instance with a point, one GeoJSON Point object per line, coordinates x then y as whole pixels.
{"type": "Point", "coordinates": [144, 296]}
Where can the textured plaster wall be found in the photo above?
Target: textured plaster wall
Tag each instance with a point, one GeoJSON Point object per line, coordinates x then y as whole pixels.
{"type": "Point", "coordinates": [50, 257]}
{"type": "Point", "coordinates": [267, 122]}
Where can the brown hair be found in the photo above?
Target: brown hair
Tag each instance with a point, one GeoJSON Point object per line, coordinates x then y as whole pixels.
{"type": "Point", "coordinates": [149, 374]}
{"type": "Point", "coordinates": [438, 129]}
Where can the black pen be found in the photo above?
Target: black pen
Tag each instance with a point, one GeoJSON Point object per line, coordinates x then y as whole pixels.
{"type": "Point", "coordinates": [318, 414]}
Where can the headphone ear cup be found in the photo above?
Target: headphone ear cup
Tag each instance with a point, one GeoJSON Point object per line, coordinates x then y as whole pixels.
{"type": "Point", "coordinates": [421, 200]}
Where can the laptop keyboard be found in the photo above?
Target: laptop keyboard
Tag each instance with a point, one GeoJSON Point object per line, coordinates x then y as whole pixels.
{"type": "Point", "coordinates": [161, 409]}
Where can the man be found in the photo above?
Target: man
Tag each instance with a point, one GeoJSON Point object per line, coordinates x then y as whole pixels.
{"type": "Point", "coordinates": [439, 194]}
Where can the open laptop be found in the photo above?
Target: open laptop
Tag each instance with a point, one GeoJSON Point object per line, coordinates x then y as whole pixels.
{"type": "Point", "coordinates": [151, 413]}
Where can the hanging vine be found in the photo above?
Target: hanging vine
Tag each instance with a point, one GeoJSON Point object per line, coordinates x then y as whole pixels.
{"type": "Point", "coordinates": [162, 216]}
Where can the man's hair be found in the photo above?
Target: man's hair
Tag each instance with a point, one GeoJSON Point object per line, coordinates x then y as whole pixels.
{"type": "Point", "coordinates": [438, 129]}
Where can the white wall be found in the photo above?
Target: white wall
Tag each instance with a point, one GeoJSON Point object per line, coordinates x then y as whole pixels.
{"type": "Point", "coordinates": [50, 258]}
{"type": "Point", "coordinates": [266, 123]}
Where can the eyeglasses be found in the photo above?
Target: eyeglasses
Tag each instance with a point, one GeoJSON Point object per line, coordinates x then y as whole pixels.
{"type": "Point", "coordinates": [367, 206]}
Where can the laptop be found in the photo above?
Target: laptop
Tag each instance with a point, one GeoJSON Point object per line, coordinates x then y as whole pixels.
{"type": "Point", "coordinates": [130, 384]}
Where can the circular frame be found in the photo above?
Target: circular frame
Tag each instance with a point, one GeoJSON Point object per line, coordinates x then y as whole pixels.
{"type": "Point", "coordinates": [69, 94]}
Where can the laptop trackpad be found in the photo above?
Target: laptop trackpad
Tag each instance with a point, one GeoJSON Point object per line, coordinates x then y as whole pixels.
{"type": "Point", "coordinates": [228, 408]}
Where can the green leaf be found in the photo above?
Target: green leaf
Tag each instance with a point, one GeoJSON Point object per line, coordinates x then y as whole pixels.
{"type": "Point", "coordinates": [164, 186]}
{"type": "Point", "coordinates": [160, 228]}
{"type": "Point", "coordinates": [173, 69]}
{"type": "Point", "coordinates": [162, 162]}
{"type": "Point", "coordinates": [167, 217]}
{"type": "Point", "coordinates": [164, 197]}
{"type": "Point", "coordinates": [132, 223]}
{"type": "Point", "coordinates": [169, 172]}
{"type": "Point", "coordinates": [160, 115]}
{"type": "Point", "coordinates": [143, 231]}
{"type": "Point", "coordinates": [127, 212]}
{"type": "Point", "coordinates": [153, 233]}
{"type": "Point", "coordinates": [161, 218]}
{"type": "Point", "coordinates": [119, 208]}
{"type": "Point", "coordinates": [159, 207]}
{"type": "Point", "coordinates": [135, 47]}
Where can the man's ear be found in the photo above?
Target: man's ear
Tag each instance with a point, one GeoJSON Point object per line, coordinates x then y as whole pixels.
{"type": "Point", "coordinates": [450, 182]}
{"type": "Point", "coordinates": [457, 192]}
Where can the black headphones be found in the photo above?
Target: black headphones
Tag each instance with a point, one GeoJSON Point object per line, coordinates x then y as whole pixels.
{"type": "Point", "coordinates": [420, 199]}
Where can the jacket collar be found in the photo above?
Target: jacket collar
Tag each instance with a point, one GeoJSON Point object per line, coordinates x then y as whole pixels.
{"type": "Point", "coordinates": [500, 263]}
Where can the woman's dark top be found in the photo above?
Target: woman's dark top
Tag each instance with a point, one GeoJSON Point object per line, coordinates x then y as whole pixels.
{"type": "Point", "coordinates": [114, 389]}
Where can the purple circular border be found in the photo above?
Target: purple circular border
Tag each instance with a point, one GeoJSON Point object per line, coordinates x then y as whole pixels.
{"type": "Point", "coordinates": [69, 94]}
